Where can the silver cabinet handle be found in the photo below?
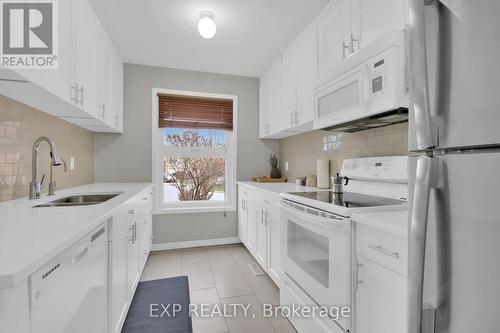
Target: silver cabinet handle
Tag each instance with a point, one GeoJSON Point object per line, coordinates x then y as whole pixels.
{"type": "Point", "coordinates": [103, 108]}
{"type": "Point", "coordinates": [74, 93]}
{"type": "Point", "coordinates": [74, 96]}
{"type": "Point", "coordinates": [345, 47]}
{"type": "Point", "coordinates": [419, 81]}
{"type": "Point", "coordinates": [81, 96]}
{"type": "Point", "coordinates": [291, 118]}
{"type": "Point", "coordinates": [358, 40]}
{"type": "Point", "coordinates": [426, 175]}
{"type": "Point", "coordinates": [132, 238]}
{"type": "Point", "coordinates": [380, 249]}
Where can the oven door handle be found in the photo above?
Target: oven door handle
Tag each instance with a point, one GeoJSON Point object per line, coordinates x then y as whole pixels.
{"type": "Point", "coordinates": [323, 222]}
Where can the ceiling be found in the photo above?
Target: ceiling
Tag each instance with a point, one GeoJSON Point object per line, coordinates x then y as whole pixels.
{"type": "Point", "coordinates": [250, 33]}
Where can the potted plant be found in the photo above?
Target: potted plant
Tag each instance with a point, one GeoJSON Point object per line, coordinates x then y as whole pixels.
{"type": "Point", "coordinates": [275, 171]}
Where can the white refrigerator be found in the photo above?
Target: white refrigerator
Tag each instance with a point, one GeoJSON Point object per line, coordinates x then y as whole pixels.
{"type": "Point", "coordinates": [454, 192]}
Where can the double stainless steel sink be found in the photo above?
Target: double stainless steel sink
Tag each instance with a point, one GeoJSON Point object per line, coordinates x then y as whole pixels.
{"type": "Point", "coordinates": [80, 200]}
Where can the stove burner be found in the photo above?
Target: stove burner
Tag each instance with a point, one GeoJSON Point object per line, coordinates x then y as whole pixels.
{"type": "Point", "coordinates": [349, 199]}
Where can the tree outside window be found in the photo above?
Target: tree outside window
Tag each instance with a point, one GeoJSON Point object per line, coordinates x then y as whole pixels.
{"type": "Point", "coordinates": [194, 178]}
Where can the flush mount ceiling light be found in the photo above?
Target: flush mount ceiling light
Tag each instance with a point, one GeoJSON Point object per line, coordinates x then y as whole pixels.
{"type": "Point", "coordinates": [206, 25]}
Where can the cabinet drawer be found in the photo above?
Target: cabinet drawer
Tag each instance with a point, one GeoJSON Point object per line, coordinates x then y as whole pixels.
{"type": "Point", "coordinates": [384, 248]}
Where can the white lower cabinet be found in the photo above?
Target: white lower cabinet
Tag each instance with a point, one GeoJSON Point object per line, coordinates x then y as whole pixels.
{"type": "Point", "coordinates": [242, 215]}
{"type": "Point", "coordinates": [118, 277]}
{"type": "Point", "coordinates": [129, 248]}
{"type": "Point", "coordinates": [258, 223]}
{"type": "Point", "coordinates": [261, 233]}
{"type": "Point", "coordinates": [380, 299]}
{"type": "Point", "coordinates": [274, 241]}
{"type": "Point", "coordinates": [253, 217]}
{"type": "Point", "coordinates": [380, 286]}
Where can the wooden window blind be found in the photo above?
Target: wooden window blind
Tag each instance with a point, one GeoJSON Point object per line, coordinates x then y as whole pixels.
{"type": "Point", "coordinates": [195, 112]}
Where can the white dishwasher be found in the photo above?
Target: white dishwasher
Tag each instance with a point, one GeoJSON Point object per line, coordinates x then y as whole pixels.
{"type": "Point", "coordinates": [68, 295]}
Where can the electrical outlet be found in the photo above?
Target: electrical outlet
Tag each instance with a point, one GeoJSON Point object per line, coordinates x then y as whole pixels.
{"type": "Point", "coordinates": [286, 166]}
{"type": "Point", "coordinates": [72, 163]}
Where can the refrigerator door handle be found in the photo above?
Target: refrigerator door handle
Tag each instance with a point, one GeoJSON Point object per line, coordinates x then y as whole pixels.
{"type": "Point", "coordinates": [419, 101]}
{"type": "Point", "coordinates": [425, 180]}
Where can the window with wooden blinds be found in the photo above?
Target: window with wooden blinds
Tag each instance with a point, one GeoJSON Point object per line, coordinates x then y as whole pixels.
{"type": "Point", "coordinates": [195, 112]}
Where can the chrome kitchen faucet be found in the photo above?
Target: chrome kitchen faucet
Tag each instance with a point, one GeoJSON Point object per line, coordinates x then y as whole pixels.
{"type": "Point", "coordinates": [36, 184]}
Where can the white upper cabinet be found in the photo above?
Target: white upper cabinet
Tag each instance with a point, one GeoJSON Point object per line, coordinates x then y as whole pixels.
{"type": "Point", "coordinates": [57, 80]}
{"type": "Point", "coordinates": [265, 105]}
{"type": "Point", "coordinates": [373, 19]}
{"type": "Point", "coordinates": [105, 80]}
{"type": "Point", "coordinates": [87, 87]}
{"type": "Point", "coordinates": [116, 114]}
{"type": "Point", "coordinates": [334, 35]}
{"type": "Point", "coordinates": [286, 91]}
{"type": "Point", "coordinates": [85, 55]}
{"type": "Point", "coordinates": [341, 29]}
{"type": "Point", "coordinates": [305, 78]}
{"type": "Point", "coordinates": [280, 114]}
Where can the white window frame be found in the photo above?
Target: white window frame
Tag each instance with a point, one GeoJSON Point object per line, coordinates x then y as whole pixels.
{"type": "Point", "coordinates": [160, 150]}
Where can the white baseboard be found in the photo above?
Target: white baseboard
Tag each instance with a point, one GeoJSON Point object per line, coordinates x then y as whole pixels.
{"type": "Point", "coordinates": [196, 243]}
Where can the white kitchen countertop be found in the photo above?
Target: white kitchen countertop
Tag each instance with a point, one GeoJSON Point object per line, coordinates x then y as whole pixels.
{"type": "Point", "coordinates": [276, 188]}
{"type": "Point", "coordinates": [395, 222]}
{"type": "Point", "coordinates": [31, 237]}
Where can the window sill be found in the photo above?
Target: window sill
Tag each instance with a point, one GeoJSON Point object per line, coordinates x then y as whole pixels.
{"type": "Point", "coordinates": [191, 210]}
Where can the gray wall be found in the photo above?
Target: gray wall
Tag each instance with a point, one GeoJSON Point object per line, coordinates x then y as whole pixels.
{"type": "Point", "coordinates": [128, 157]}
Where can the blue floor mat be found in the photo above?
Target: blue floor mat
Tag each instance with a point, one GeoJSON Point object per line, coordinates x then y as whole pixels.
{"type": "Point", "coordinates": [147, 311]}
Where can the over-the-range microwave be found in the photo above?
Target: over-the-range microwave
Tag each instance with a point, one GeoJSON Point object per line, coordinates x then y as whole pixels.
{"type": "Point", "coordinates": [370, 90]}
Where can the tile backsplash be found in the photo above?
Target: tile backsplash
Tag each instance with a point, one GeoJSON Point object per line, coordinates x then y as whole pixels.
{"type": "Point", "coordinates": [20, 126]}
{"type": "Point", "coordinates": [301, 151]}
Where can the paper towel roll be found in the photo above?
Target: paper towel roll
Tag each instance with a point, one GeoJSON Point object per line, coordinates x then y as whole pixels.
{"type": "Point", "coordinates": [323, 173]}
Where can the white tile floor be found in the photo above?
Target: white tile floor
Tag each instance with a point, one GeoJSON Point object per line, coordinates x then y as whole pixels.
{"type": "Point", "coordinates": [220, 275]}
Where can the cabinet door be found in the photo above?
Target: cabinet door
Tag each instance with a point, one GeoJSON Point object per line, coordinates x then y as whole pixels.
{"type": "Point", "coordinates": [380, 299]}
{"type": "Point", "coordinates": [105, 80]}
{"type": "Point", "coordinates": [57, 81]}
{"type": "Point", "coordinates": [85, 46]}
{"type": "Point", "coordinates": [274, 244]}
{"type": "Point", "coordinates": [118, 284]}
{"type": "Point", "coordinates": [133, 258]}
{"type": "Point", "coordinates": [306, 74]}
{"type": "Point", "coordinates": [253, 220]}
{"type": "Point", "coordinates": [377, 18]}
{"type": "Point", "coordinates": [290, 69]}
{"type": "Point", "coordinates": [117, 90]}
{"type": "Point", "coordinates": [334, 32]}
{"type": "Point", "coordinates": [261, 241]}
{"type": "Point", "coordinates": [265, 105]}
{"type": "Point", "coordinates": [145, 239]}
{"type": "Point", "coordinates": [280, 115]}
{"type": "Point", "coordinates": [242, 215]}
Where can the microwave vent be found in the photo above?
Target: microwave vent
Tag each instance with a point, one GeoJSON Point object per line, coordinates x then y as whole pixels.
{"type": "Point", "coordinates": [392, 117]}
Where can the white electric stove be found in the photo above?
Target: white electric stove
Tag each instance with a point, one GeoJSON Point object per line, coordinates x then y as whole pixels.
{"type": "Point", "coordinates": [374, 183]}
{"type": "Point", "coordinates": [316, 234]}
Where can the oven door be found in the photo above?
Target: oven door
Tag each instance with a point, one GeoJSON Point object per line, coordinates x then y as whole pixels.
{"type": "Point", "coordinates": [316, 253]}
